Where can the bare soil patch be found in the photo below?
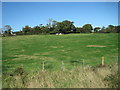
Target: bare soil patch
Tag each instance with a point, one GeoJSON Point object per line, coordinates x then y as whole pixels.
{"type": "Point", "coordinates": [28, 57]}
{"type": "Point", "coordinates": [56, 46]}
{"type": "Point", "coordinates": [95, 46]}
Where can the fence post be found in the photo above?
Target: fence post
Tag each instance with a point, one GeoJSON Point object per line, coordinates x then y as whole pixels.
{"type": "Point", "coordinates": [102, 60]}
{"type": "Point", "coordinates": [63, 68]}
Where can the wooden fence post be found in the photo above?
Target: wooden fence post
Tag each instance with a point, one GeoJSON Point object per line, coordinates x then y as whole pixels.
{"type": "Point", "coordinates": [102, 60]}
{"type": "Point", "coordinates": [63, 68]}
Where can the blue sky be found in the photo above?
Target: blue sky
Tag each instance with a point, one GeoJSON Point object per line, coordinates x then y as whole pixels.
{"type": "Point", "coordinates": [19, 14]}
{"type": "Point", "coordinates": [60, 0]}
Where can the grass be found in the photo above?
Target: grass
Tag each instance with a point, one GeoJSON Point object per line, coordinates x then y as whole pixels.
{"type": "Point", "coordinates": [59, 52]}
{"type": "Point", "coordinates": [78, 77]}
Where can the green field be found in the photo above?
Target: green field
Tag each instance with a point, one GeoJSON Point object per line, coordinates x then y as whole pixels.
{"type": "Point", "coordinates": [69, 61]}
{"type": "Point", "coordinates": [71, 50]}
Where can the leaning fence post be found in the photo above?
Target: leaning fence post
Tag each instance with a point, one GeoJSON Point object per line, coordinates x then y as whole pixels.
{"type": "Point", "coordinates": [102, 60]}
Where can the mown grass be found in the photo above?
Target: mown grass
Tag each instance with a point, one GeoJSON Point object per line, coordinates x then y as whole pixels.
{"type": "Point", "coordinates": [64, 57]}
{"type": "Point", "coordinates": [31, 50]}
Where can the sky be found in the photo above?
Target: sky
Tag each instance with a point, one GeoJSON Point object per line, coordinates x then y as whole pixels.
{"type": "Point", "coordinates": [60, 0]}
{"type": "Point", "coordinates": [19, 14]}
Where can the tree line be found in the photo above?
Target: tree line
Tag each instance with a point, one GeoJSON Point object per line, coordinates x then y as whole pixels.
{"type": "Point", "coordinates": [64, 27]}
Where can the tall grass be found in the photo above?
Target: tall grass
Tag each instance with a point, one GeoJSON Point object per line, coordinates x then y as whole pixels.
{"type": "Point", "coordinates": [78, 77]}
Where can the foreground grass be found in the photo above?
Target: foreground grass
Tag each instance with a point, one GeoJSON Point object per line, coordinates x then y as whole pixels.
{"type": "Point", "coordinates": [78, 77]}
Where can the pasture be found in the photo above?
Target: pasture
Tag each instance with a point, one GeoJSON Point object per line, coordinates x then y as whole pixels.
{"type": "Point", "coordinates": [31, 50]}
{"type": "Point", "coordinates": [59, 53]}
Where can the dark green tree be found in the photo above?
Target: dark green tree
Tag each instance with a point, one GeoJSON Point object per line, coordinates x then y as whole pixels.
{"type": "Point", "coordinates": [80, 30]}
{"type": "Point", "coordinates": [36, 30]}
{"type": "Point", "coordinates": [65, 27]}
{"type": "Point", "coordinates": [59, 27]}
{"type": "Point", "coordinates": [110, 29]}
{"type": "Point", "coordinates": [45, 30]}
{"type": "Point", "coordinates": [117, 28]}
{"type": "Point", "coordinates": [88, 28]}
{"type": "Point", "coordinates": [26, 30]}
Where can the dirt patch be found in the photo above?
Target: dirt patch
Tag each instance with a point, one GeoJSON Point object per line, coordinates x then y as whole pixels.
{"type": "Point", "coordinates": [62, 50]}
{"type": "Point", "coordinates": [53, 46]}
{"type": "Point", "coordinates": [56, 46]}
{"type": "Point", "coordinates": [43, 53]}
{"type": "Point", "coordinates": [47, 58]}
{"type": "Point", "coordinates": [95, 46]}
{"type": "Point", "coordinates": [37, 54]}
{"type": "Point", "coordinates": [20, 57]}
{"type": "Point", "coordinates": [33, 57]}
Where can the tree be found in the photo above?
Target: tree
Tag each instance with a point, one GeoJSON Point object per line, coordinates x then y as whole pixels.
{"type": "Point", "coordinates": [59, 27]}
{"type": "Point", "coordinates": [109, 29]}
{"type": "Point", "coordinates": [110, 26]}
{"type": "Point", "coordinates": [36, 30]}
{"type": "Point", "coordinates": [26, 29]}
{"type": "Point", "coordinates": [7, 30]}
{"type": "Point", "coordinates": [77, 30]}
{"type": "Point", "coordinates": [88, 28]}
{"type": "Point", "coordinates": [117, 28]}
{"type": "Point", "coordinates": [53, 29]}
{"type": "Point", "coordinates": [68, 26]}
{"type": "Point", "coordinates": [96, 29]}
{"type": "Point", "coordinates": [102, 30]}
{"type": "Point", "coordinates": [54, 24]}
{"type": "Point", "coordinates": [49, 23]}
{"type": "Point", "coordinates": [45, 30]}
{"type": "Point", "coordinates": [65, 27]}
{"type": "Point", "coordinates": [40, 25]}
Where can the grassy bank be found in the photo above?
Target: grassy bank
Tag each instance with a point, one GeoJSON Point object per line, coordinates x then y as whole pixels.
{"type": "Point", "coordinates": [78, 77]}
